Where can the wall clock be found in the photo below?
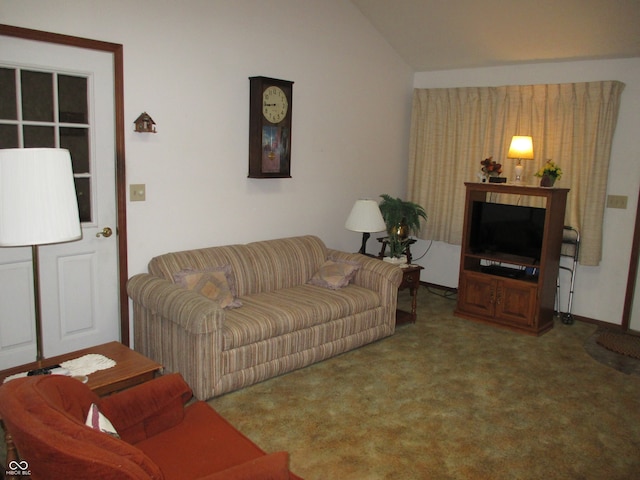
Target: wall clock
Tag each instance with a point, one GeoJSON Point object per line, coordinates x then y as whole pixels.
{"type": "Point", "coordinates": [270, 127]}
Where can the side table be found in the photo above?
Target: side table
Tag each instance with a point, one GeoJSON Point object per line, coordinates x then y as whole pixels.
{"type": "Point", "coordinates": [410, 280]}
{"type": "Point", "coordinates": [131, 369]}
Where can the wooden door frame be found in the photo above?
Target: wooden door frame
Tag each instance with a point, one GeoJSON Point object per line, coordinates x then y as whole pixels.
{"type": "Point", "coordinates": [121, 223]}
{"type": "Point", "coordinates": [634, 263]}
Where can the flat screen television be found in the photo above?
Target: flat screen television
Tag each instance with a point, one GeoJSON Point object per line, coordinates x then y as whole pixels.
{"type": "Point", "coordinates": [510, 230]}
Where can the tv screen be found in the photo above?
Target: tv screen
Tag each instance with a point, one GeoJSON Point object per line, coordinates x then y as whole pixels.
{"type": "Point", "coordinates": [498, 228]}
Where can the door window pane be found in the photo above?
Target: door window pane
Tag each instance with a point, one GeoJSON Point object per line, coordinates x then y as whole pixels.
{"type": "Point", "coordinates": [83, 193]}
{"type": "Point", "coordinates": [8, 107]}
{"type": "Point", "coordinates": [72, 99]}
{"type": "Point", "coordinates": [9, 136]}
{"type": "Point", "coordinates": [35, 136]}
{"type": "Point", "coordinates": [37, 96]}
{"type": "Point", "coordinates": [49, 109]}
{"type": "Point", "coordinates": [76, 140]}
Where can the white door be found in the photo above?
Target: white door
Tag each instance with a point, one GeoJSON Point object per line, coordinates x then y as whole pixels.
{"type": "Point", "coordinates": [60, 96]}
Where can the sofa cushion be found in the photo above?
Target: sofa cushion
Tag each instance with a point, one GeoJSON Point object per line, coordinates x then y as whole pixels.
{"type": "Point", "coordinates": [271, 314]}
{"type": "Point", "coordinates": [204, 437]}
{"type": "Point", "coordinates": [216, 283]}
{"type": "Point", "coordinates": [257, 266]}
{"type": "Point", "coordinates": [269, 467]}
{"type": "Point", "coordinates": [280, 263]}
{"type": "Point", "coordinates": [335, 274]}
{"type": "Point", "coordinates": [264, 359]}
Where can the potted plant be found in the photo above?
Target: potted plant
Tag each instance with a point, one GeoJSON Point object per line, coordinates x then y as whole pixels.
{"type": "Point", "coordinates": [549, 174]}
{"type": "Point", "coordinates": [490, 169]}
{"type": "Point", "coordinates": [402, 218]}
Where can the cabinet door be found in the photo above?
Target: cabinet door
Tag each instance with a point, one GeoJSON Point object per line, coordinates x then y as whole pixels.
{"type": "Point", "coordinates": [516, 302]}
{"type": "Point", "coordinates": [477, 294]}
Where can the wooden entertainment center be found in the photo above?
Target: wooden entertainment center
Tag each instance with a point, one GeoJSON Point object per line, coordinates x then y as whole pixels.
{"type": "Point", "coordinates": [510, 291]}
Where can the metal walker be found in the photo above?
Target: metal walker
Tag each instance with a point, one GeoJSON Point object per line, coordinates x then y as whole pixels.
{"type": "Point", "coordinates": [570, 248]}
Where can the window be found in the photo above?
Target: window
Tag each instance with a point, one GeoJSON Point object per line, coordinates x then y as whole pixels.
{"type": "Point", "coordinates": [49, 109]}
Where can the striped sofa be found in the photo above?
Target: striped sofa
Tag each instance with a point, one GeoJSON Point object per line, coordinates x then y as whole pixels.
{"type": "Point", "coordinates": [284, 323]}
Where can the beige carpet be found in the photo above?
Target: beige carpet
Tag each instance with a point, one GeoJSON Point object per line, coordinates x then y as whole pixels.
{"type": "Point", "coordinates": [450, 399]}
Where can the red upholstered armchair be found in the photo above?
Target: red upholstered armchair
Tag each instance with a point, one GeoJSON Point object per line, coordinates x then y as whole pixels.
{"type": "Point", "coordinates": [160, 438]}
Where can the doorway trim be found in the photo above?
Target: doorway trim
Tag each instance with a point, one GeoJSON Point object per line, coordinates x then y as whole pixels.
{"type": "Point", "coordinates": [634, 264]}
{"type": "Point", "coordinates": [116, 50]}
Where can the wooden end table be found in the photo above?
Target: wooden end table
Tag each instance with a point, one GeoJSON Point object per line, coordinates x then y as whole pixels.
{"type": "Point", "coordinates": [410, 280]}
{"type": "Point", "coordinates": [131, 369]}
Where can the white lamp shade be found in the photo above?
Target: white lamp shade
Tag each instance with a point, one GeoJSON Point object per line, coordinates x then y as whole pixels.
{"type": "Point", "coordinates": [521, 147]}
{"type": "Point", "coordinates": [365, 216]}
{"type": "Point", "coordinates": [38, 202]}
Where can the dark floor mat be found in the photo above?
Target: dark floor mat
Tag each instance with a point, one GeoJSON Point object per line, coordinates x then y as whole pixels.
{"type": "Point", "coordinates": [621, 343]}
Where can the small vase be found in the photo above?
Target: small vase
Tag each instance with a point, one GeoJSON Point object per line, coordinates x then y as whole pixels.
{"type": "Point", "coordinates": [547, 181]}
{"type": "Point", "coordinates": [401, 230]}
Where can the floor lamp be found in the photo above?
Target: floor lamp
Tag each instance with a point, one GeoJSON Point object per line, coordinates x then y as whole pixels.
{"type": "Point", "coordinates": [365, 217]}
{"type": "Point", "coordinates": [38, 206]}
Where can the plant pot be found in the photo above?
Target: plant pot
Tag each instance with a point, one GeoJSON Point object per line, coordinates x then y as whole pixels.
{"type": "Point", "coordinates": [547, 181]}
{"type": "Point", "coordinates": [401, 260]}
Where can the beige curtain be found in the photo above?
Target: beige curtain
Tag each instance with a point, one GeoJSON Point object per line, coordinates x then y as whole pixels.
{"type": "Point", "coordinates": [454, 129]}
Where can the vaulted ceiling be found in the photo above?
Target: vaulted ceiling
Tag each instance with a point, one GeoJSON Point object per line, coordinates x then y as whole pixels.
{"type": "Point", "coordinates": [450, 34]}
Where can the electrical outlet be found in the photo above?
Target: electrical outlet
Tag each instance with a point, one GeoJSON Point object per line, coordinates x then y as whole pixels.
{"type": "Point", "coordinates": [137, 192]}
{"type": "Point", "coordinates": [617, 201]}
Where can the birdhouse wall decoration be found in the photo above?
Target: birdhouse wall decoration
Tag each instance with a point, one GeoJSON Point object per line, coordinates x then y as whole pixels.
{"type": "Point", "coordinates": [144, 123]}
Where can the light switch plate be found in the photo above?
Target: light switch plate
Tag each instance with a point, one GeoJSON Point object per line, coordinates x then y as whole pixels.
{"type": "Point", "coordinates": [137, 192]}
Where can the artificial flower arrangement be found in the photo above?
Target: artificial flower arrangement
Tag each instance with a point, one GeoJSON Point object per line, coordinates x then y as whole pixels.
{"type": "Point", "coordinates": [491, 168]}
{"type": "Point", "coordinates": [551, 170]}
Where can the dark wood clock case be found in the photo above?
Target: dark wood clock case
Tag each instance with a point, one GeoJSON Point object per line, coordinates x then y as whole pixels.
{"type": "Point", "coordinates": [269, 143]}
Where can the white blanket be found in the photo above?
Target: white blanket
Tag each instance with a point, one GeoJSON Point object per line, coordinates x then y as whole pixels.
{"type": "Point", "coordinates": [85, 365]}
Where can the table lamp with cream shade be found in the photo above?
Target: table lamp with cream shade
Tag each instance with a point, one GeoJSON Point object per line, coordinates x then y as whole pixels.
{"type": "Point", "coordinates": [521, 148]}
{"type": "Point", "coordinates": [38, 206]}
{"type": "Point", "coordinates": [365, 217]}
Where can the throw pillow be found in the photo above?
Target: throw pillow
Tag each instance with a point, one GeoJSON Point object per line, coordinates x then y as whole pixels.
{"type": "Point", "coordinates": [97, 421]}
{"type": "Point", "coordinates": [216, 283]}
{"type": "Point", "coordinates": [335, 274]}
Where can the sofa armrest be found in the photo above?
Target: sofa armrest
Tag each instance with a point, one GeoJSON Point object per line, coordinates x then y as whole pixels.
{"type": "Point", "coordinates": [192, 311]}
{"type": "Point", "coordinates": [147, 409]}
{"type": "Point", "coordinates": [180, 329]}
{"type": "Point", "coordinates": [377, 275]}
{"type": "Point", "coordinates": [374, 273]}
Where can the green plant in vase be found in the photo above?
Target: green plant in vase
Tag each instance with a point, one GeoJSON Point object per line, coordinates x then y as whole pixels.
{"type": "Point", "coordinates": [402, 218]}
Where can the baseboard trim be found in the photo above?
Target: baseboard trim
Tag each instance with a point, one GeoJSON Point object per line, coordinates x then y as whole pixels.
{"type": "Point", "coordinates": [439, 287]}
{"type": "Point", "coordinates": [593, 321]}
{"type": "Point", "coordinates": [607, 325]}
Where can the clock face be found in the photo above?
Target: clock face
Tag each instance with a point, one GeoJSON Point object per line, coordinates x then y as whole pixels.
{"type": "Point", "coordinates": [274, 104]}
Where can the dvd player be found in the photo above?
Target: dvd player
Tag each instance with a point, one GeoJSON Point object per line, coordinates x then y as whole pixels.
{"type": "Point", "coordinates": [501, 271]}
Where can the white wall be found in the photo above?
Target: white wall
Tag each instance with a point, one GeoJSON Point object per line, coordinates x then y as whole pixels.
{"type": "Point", "coordinates": [187, 64]}
{"type": "Point", "coordinates": [599, 291]}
